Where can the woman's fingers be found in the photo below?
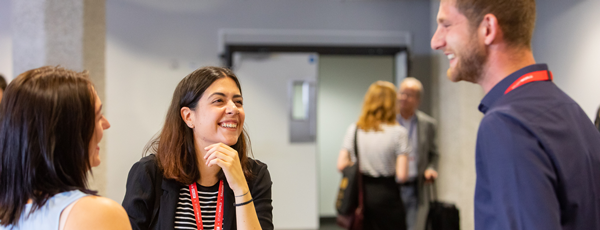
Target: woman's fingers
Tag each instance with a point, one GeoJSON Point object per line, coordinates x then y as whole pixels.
{"type": "Point", "coordinates": [227, 158]}
{"type": "Point", "coordinates": [220, 147]}
{"type": "Point", "coordinates": [219, 162]}
{"type": "Point", "coordinates": [219, 155]}
{"type": "Point", "coordinates": [220, 151]}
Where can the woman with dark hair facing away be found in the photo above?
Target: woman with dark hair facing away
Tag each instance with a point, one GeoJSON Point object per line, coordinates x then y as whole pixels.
{"type": "Point", "coordinates": [50, 126]}
{"type": "Point", "coordinates": [200, 175]}
{"type": "Point", "coordinates": [382, 149]}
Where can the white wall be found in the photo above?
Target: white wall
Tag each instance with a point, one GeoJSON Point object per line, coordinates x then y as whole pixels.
{"type": "Point", "coordinates": [152, 45]}
{"type": "Point", "coordinates": [5, 41]}
{"type": "Point", "coordinates": [567, 38]}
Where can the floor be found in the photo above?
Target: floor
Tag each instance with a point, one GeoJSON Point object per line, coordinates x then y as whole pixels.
{"type": "Point", "coordinates": [328, 224]}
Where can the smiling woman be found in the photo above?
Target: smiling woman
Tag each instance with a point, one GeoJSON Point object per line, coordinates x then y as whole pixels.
{"type": "Point", "coordinates": [199, 175]}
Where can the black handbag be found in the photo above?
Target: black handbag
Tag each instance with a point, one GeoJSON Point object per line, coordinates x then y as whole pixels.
{"type": "Point", "coordinates": [349, 203]}
{"type": "Point", "coordinates": [442, 215]}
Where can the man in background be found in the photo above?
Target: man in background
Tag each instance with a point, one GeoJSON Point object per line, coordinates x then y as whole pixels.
{"type": "Point", "coordinates": [423, 157]}
{"type": "Point", "coordinates": [2, 86]}
{"type": "Point", "coordinates": [538, 154]}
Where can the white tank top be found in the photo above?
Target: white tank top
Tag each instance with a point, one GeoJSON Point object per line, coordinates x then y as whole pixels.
{"type": "Point", "coordinates": [48, 216]}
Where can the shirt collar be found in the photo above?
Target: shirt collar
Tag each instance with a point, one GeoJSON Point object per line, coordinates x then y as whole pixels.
{"type": "Point", "coordinates": [498, 90]}
{"type": "Point", "coordinates": [401, 119]}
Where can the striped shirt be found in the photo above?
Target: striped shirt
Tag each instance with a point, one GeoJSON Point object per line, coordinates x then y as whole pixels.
{"type": "Point", "coordinates": [184, 214]}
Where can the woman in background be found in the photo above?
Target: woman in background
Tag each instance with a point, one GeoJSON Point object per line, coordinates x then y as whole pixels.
{"type": "Point", "coordinates": [200, 176]}
{"type": "Point", "coordinates": [50, 126]}
{"type": "Point", "coordinates": [382, 149]}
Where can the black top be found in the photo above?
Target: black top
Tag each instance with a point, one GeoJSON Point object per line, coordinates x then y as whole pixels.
{"type": "Point", "coordinates": [141, 194]}
{"type": "Point", "coordinates": [537, 159]}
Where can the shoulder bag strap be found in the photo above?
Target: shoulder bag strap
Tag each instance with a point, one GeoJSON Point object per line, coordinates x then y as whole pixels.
{"type": "Point", "coordinates": [356, 145]}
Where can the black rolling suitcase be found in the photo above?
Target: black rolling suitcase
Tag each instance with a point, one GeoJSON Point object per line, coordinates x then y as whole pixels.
{"type": "Point", "coordinates": [442, 215]}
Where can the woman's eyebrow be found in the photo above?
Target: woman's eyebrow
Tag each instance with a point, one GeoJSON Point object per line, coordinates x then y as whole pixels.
{"type": "Point", "coordinates": [223, 95]}
{"type": "Point", "coordinates": [217, 93]}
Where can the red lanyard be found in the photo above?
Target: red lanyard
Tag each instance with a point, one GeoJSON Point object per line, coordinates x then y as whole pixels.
{"type": "Point", "coordinates": [542, 75]}
{"type": "Point", "coordinates": [198, 213]}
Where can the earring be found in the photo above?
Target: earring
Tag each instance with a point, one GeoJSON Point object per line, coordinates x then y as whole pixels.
{"type": "Point", "coordinates": [190, 125]}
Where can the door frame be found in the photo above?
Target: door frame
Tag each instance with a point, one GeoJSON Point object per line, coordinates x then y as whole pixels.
{"type": "Point", "coordinates": [230, 49]}
{"type": "Point", "coordinates": [322, 42]}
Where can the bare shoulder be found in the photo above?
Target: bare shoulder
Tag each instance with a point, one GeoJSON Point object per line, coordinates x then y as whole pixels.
{"type": "Point", "coordinates": [95, 212]}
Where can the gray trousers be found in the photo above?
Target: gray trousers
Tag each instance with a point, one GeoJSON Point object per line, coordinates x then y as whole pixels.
{"type": "Point", "coordinates": [411, 205]}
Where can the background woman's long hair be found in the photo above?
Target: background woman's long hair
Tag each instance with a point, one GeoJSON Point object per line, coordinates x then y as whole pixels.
{"type": "Point", "coordinates": [597, 121]}
{"type": "Point", "coordinates": [174, 146]}
{"type": "Point", "coordinates": [379, 106]}
{"type": "Point", "coordinates": [46, 123]}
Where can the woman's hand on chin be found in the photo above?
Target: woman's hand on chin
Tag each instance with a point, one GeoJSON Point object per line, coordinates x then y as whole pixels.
{"type": "Point", "coordinates": [227, 158]}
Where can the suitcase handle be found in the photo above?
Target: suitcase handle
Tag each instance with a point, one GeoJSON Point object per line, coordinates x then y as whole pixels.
{"type": "Point", "coordinates": [432, 191]}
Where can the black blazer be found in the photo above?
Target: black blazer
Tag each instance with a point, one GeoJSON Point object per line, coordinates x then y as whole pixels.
{"type": "Point", "coordinates": [142, 186]}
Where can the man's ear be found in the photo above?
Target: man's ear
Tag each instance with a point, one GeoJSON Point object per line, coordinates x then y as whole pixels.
{"type": "Point", "coordinates": [188, 116]}
{"type": "Point", "coordinates": [489, 29]}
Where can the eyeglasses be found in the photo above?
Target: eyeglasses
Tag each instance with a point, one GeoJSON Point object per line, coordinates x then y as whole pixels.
{"type": "Point", "coordinates": [412, 95]}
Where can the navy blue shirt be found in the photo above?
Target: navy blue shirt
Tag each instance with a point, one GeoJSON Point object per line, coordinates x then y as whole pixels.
{"type": "Point", "coordinates": [537, 159]}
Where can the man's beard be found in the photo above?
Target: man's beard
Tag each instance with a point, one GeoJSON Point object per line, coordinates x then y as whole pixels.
{"type": "Point", "coordinates": [470, 66]}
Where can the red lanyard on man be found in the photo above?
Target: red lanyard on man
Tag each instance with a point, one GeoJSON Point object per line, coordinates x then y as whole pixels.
{"type": "Point", "coordinates": [542, 75]}
{"type": "Point", "coordinates": [197, 212]}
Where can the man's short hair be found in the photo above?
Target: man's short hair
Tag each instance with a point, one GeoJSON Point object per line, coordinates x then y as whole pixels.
{"type": "Point", "coordinates": [515, 17]}
{"type": "Point", "coordinates": [2, 83]}
{"type": "Point", "coordinates": [415, 82]}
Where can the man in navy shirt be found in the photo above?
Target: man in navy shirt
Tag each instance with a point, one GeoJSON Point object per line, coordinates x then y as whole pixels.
{"type": "Point", "coordinates": [537, 153]}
